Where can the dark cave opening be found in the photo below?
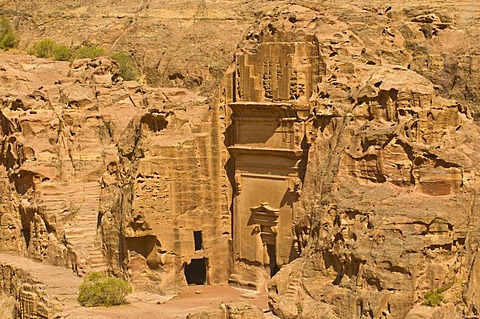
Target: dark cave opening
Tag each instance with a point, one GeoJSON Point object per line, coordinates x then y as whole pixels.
{"type": "Point", "coordinates": [154, 122]}
{"type": "Point", "coordinates": [26, 217]}
{"type": "Point", "coordinates": [26, 235]}
{"type": "Point", "coordinates": [196, 272]}
{"type": "Point", "coordinates": [272, 255]}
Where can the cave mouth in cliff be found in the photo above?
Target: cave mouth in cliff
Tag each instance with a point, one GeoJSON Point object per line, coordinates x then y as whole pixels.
{"type": "Point", "coordinates": [155, 122]}
{"type": "Point", "coordinates": [271, 251]}
{"type": "Point", "coordinates": [196, 272]}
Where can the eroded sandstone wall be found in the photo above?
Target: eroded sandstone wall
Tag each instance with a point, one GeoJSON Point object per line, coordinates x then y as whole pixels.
{"type": "Point", "coordinates": [101, 174]}
{"type": "Point", "coordinates": [190, 43]}
{"type": "Point", "coordinates": [186, 43]}
{"type": "Point", "coordinates": [111, 175]}
{"type": "Point", "coordinates": [387, 208]}
{"type": "Point", "coordinates": [389, 199]}
{"type": "Point", "coordinates": [175, 187]}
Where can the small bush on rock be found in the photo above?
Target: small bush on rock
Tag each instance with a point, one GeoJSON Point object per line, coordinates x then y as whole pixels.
{"type": "Point", "coordinates": [47, 48]}
{"type": "Point", "coordinates": [7, 36]}
{"type": "Point", "coordinates": [100, 290]}
{"type": "Point", "coordinates": [43, 48]}
{"type": "Point", "coordinates": [62, 53]}
{"type": "Point", "coordinates": [88, 51]}
{"type": "Point", "coordinates": [128, 68]}
{"type": "Point", "coordinates": [433, 298]}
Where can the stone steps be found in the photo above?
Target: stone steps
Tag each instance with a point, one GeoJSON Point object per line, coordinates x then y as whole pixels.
{"type": "Point", "coordinates": [81, 201]}
{"type": "Point", "coordinates": [291, 294]}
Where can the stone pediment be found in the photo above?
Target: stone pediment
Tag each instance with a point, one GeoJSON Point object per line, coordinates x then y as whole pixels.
{"type": "Point", "coordinates": [266, 219]}
{"type": "Point", "coordinates": [264, 207]}
{"type": "Point", "coordinates": [265, 215]}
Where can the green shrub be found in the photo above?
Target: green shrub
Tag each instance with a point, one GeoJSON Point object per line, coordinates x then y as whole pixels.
{"type": "Point", "coordinates": [433, 298]}
{"type": "Point", "coordinates": [7, 37]}
{"type": "Point", "coordinates": [100, 290]}
{"type": "Point", "coordinates": [47, 48]}
{"type": "Point", "coordinates": [44, 48]}
{"type": "Point", "coordinates": [128, 68]}
{"type": "Point", "coordinates": [90, 52]}
{"type": "Point", "coordinates": [62, 53]}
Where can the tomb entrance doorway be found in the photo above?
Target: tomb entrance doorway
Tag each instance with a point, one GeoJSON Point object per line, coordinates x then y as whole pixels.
{"type": "Point", "coordinates": [196, 272]}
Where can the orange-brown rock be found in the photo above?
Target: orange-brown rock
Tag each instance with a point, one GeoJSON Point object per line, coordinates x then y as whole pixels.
{"type": "Point", "coordinates": [184, 43]}
{"type": "Point", "coordinates": [388, 203]}
{"type": "Point", "coordinates": [190, 43]}
{"type": "Point", "coordinates": [335, 162]}
{"type": "Point", "coordinates": [102, 174]}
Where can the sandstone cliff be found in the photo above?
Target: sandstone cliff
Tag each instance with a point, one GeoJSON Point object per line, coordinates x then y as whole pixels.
{"type": "Point", "coordinates": [176, 43]}
{"type": "Point", "coordinates": [96, 172]}
{"type": "Point", "coordinates": [337, 153]}
{"type": "Point", "coordinates": [388, 207]}
{"type": "Point", "coordinates": [190, 43]}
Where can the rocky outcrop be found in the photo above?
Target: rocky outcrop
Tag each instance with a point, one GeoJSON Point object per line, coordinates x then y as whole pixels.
{"type": "Point", "coordinates": [55, 139]}
{"type": "Point", "coordinates": [190, 43]}
{"type": "Point", "coordinates": [230, 311]}
{"type": "Point", "coordinates": [338, 155]}
{"type": "Point", "coordinates": [167, 194]}
{"type": "Point", "coordinates": [97, 170]}
{"type": "Point", "coordinates": [389, 199]}
{"type": "Point", "coordinates": [176, 43]}
{"type": "Point", "coordinates": [39, 291]}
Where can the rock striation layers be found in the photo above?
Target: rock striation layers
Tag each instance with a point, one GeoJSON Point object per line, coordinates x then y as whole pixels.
{"type": "Point", "coordinates": [96, 174]}
{"type": "Point", "coordinates": [388, 205]}
{"type": "Point", "coordinates": [185, 43]}
{"type": "Point", "coordinates": [385, 205]}
{"type": "Point", "coordinates": [335, 162]}
{"type": "Point", "coordinates": [40, 291]}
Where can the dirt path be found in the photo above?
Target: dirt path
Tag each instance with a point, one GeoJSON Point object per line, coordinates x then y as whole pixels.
{"type": "Point", "coordinates": [192, 299]}
{"type": "Point", "coordinates": [61, 284]}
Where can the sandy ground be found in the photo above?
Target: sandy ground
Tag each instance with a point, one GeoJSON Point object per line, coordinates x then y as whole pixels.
{"type": "Point", "coordinates": [63, 284]}
{"type": "Point", "coordinates": [192, 299]}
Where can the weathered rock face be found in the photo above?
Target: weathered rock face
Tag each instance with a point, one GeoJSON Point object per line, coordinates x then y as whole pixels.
{"type": "Point", "coordinates": [39, 291]}
{"type": "Point", "coordinates": [168, 195]}
{"type": "Point", "coordinates": [348, 169]}
{"type": "Point", "coordinates": [388, 204]}
{"type": "Point", "coordinates": [51, 152]}
{"type": "Point", "coordinates": [230, 311]}
{"type": "Point", "coordinates": [184, 43]}
{"type": "Point", "coordinates": [101, 174]}
{"type": "Point", "coordinates": [189, 43]}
